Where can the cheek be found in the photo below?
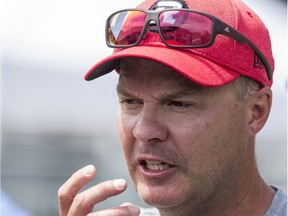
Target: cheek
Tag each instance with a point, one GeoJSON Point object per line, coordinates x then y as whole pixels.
{"type": "Point", "coordinates": [191, 138]}
{"type": "Point", "coordinates": [208, 141]}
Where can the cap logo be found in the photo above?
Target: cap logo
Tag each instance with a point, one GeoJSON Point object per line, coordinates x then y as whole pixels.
{"type": "Point", "coordinates": [257, 62]}
{"type": "Point", "coordinates": [168, 4]}
{"type": "Point", "coordinates": [227, 29]}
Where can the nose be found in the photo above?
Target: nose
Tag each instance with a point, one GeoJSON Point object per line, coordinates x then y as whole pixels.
{"type": "Point", "coordinates": [150, 126]}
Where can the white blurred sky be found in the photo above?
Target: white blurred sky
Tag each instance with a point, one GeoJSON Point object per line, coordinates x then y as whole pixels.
{"type": "Point", "coordinates": [60, 30]}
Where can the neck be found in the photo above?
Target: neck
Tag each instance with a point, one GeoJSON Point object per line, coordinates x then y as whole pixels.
{"type": "Point", "coordinates": [256, 200]}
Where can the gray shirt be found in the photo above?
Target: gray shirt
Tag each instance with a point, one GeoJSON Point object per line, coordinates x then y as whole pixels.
{"type": "Point", "coordinates": [278, 206]}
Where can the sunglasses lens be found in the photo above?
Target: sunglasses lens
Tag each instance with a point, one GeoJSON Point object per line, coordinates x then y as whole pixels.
{"type": "Point", "coordinates": [184, 28]}
{"type": "Point", "coordinates": [124, 28]}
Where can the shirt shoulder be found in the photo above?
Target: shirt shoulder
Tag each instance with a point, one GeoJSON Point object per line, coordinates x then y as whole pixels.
{"type": "Point", "coordinates": [278, 206]}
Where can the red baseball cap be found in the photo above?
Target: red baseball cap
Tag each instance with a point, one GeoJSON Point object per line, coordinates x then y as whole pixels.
{"type": "Point", "coordinates": [214, 66]}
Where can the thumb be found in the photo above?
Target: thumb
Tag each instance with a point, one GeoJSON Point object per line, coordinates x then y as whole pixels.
{"type": "Point", "coordinates": [135, 210]}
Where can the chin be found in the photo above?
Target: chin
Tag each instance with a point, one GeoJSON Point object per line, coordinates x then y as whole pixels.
{"type": "Point", "coordinates": [157, 195]}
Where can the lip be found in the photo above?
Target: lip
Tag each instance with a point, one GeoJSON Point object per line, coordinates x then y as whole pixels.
{"type": "Point", "coordinates": [152, 174]}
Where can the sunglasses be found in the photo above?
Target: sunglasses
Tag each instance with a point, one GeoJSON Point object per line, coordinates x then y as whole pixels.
{"type": "Point", "coordinates": [178, 28]}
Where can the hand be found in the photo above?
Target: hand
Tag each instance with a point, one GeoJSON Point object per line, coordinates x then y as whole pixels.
{"type": "Point", "coordinates": [72, 202]}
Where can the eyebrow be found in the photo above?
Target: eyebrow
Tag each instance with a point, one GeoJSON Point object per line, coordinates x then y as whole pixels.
{"type": "Point", "coordinates": [121, 91]}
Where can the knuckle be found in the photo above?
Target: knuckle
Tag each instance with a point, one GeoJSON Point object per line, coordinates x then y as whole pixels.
{"type": "Point", "coordinates": [61, 194]}
{"type": "Point", "coordinates": [64, 195]}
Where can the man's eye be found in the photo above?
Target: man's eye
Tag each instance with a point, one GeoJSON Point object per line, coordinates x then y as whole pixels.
{"type": "Point", "coordinates": [129, 101]}
{"type": "Point", "coordinates": [178, 104]}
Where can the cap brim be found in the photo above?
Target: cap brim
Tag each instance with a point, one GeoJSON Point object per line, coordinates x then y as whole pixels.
{"type": "Point", "coordinates": [196, 68]}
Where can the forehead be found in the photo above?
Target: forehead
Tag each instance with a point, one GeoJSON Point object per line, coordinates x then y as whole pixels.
{"type": "Point", "coordinates": [142, 76]}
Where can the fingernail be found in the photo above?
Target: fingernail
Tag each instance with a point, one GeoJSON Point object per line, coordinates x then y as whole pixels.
{"type": "Point", "coordinates": [88, 170]}
{"type": "Point", "coordinates": [119, 183]}
{"type": "Point", "coordinates": [134, 209]}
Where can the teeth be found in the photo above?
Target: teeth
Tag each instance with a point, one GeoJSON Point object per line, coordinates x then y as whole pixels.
{"type": "Point", "coordinates": [156, 165]}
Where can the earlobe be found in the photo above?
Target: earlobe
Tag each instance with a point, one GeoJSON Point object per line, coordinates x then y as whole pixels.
{"type": "Point", "coordinates": [260, 109]}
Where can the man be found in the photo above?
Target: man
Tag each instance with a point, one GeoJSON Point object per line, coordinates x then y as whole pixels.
{"type": "Point", "coordinates": [194, 90]}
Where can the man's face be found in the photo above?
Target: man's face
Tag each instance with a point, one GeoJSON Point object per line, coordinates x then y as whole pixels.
{"type": "Point", "coordinates": [183, 144]}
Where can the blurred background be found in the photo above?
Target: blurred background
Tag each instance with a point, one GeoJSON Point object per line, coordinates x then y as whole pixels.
{"type": "Point", "coordinates": [53, 122]}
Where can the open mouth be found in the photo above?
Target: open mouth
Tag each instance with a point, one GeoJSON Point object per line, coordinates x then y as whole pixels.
{"type": "Point", "coordinates": [155, 165]}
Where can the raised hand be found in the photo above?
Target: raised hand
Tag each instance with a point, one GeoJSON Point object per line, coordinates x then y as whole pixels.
{"type": "Point", "coordinates": [72, 202]}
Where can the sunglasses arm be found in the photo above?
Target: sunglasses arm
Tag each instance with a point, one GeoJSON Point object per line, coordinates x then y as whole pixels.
{"type": "Point", "coordinates": [235, 35]}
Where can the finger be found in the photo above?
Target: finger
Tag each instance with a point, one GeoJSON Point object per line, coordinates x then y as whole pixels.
{"type": "Point", "coordinates": [123, 210]}
{"type": "Point", "coordinates": [72, 186]}
{"type": "Point", "coordinates": [83, 203]}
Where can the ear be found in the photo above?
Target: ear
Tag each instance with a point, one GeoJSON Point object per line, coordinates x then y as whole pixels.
{"type": "Point", "coordinates": [261, 103]}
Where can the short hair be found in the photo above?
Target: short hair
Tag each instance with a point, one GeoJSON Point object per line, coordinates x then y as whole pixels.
{"type": "Point", "coordinates": [246, 87]}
